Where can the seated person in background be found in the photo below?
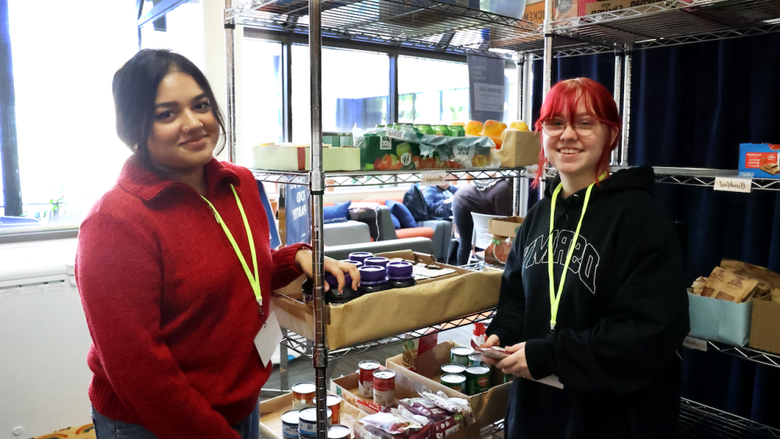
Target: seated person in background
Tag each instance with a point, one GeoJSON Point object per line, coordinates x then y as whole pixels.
{"type": "Point", "coordinates": [439, 199]}
{"type": "Point", "coordinates": [493, 197]}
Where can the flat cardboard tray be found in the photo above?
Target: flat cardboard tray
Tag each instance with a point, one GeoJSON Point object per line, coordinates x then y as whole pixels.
{"type": "Point", "coordinates": [395, 311]}
{"type": "Point", "coordinates": [271, 411]}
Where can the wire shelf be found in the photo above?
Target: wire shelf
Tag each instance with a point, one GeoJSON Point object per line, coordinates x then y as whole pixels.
{"type": "Point", "coordinates": [367, 178]}
{"type": "Point", "coordinates": [303, 346]}
{"type": "Point", "coordinates": [672, 22]}
{"type": "Point", "coordinates": [743, 352]}
{"type": "Point", "coordinates": [699, 421]}
{"type": "Point", "coordinates": [706, 178]}
{"type": "Point", "coordinates": [420, 24]}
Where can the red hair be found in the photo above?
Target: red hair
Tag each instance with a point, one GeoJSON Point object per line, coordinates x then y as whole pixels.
{"type": "Point", "coordinates": [566, 95]}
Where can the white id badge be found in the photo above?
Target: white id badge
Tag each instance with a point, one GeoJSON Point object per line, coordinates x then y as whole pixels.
{"type": "Point", "coordinates": [268, 339]}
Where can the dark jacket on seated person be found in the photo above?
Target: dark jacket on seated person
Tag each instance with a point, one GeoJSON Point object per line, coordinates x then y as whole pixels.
{"type": "Point", "coordinates": [439, 201]}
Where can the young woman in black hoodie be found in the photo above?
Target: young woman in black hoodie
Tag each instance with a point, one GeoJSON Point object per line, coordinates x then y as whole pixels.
{"type": "Point", "coordinates": [593, 305]}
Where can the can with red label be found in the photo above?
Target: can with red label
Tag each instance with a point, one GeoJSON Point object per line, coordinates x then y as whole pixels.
{"type": "Point", "coordinates": [334, 404]}
{"type": "Point", "coordinates": [366, 377]}
{"type": "Point", "coordinates": [303, 395]}
{"type": "Point", "coordinates": [477, 379]}
{"type": "Point", "coordinates": [384, 388]}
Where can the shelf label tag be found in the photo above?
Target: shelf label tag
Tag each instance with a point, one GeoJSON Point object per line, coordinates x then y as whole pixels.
{"type": "Point", "coordinates": [695, 343]}
{"type": "Point", "coordinates": [433, 178]}
{"type": "Point", "coordinates": [733, 184]}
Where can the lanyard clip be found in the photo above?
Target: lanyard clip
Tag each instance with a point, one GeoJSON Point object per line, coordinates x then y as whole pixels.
{"type": "Point", "coordinates": [552, 328]}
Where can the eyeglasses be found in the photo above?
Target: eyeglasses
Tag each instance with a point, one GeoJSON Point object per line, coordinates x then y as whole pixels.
{"type": "Point", "coordinates": [583, 127]}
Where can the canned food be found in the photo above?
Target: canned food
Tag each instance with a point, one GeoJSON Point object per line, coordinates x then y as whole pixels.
{"type": "Point", "coordinates": [454, 381]}
{"type": "Point", "coordinates": [460, 355]}
{"type": "Point", "coordinates": [457, 131]}
{"type": "Point", "coordinates": [303, 395]}
{"type": "Point", "coordinates": [339, 431]}
{"type": "Point", "coordinates": [334, 404]}
{"type": "Point", "coordinates": [477, 379]}
{"type": "Point", "coordinates": [290, 424]}
{"type": "Point", "coordinates": [307, 422]}
{"type": "Point", "coordinates": [384, 388]}
{"type": "Point", "coordinates": [475, 359]}
{"type": "Point", "coordinates": [452, 368]}
{"type": "Point", "coordinates": [366, 377]}
{"type": "Point", "coordinates": [440, 130]}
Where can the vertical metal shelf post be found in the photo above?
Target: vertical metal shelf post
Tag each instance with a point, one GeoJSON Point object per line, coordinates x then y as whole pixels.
{"type": "Point", "coordinates": [317, 187]}
{"type": "Point", "coordinates": [230, 54]}
{"type": "Point", "coordinates": [629, 48]}
{"type": "Point", "coordinates": [614, 157]}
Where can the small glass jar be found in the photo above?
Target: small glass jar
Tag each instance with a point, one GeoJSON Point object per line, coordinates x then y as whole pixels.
{"type": "Point", "coordinates": [401, 275]}
{"type": "Point", "coordinates": [376, 260]}
{"type": "Point", "coordinates": [360, 256]}
{"type": "Point", "coordinates": [373, 278]}
{"type": "Point", "coordinates": [358, 264]}
{"type": "Point", "coordinates": [333, 296]}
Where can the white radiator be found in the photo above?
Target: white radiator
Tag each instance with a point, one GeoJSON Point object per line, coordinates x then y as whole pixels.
{"type": "Point", "coordinates": [44, 341]}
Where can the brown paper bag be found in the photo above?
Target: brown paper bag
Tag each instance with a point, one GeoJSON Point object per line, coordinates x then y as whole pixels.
{"type": "Point", "coordinates": [520, 148]}
{"type": "Point", "coordinates": [726, 285]}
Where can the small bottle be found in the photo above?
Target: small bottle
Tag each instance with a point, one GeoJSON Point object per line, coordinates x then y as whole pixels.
{"type": "Point", "coordinates": [401, 275]}
{"type": "Point", "coordinates": [376, 260]}
{"type": "Point", "coordinates": [333, 296]}
{"type": "Point", "coordinates": [360, 256]}
{"type": "Point", "coordinates": [373, 278]}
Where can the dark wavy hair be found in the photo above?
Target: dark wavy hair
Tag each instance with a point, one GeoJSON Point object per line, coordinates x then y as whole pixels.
{"type": "Point", "coordinates": [135, 91]}
{"type": "Point", "coordinates": [566, 95]}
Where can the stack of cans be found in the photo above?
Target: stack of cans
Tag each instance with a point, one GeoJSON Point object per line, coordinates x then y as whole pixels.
{"type": "Point", "coordinates": [467, 373]}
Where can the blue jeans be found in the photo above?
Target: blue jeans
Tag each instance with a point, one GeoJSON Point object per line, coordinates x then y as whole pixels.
{"type": "Point", "coordinates": [107, 428]}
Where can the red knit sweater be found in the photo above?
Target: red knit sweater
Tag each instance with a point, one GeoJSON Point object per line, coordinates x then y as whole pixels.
{"type": "Point", "coordinates": [170, 310]}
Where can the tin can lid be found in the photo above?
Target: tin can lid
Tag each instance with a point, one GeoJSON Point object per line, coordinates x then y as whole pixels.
{"type": "Point", "coordinates": [372, 273]}
{"type": "Point", "coordinates": [384, 374]}
{"type": "Point", "coordinates": [377, 260]}
{"type": "Point", "coordinates": [352, 261]}
{"type": "Point", "coordinates": [304, 388]}
{"type": "Point", "coordinates": [453, 378]}
{"type": "Point", "coordinates": [360, 256]}
{"type": "Point", "coordinates": [290, 417]}
{"type": "Point", "coordinates": [369, 364]}
{"type": "Point", "coordinates": [309, 414]}
{"type": "Point", "coordinates": [477, 370]}
{"type": "Point", "coordinates": [339, 431]}
{"type": "Point", "coordinates": [453, 368]}
{"type": "Point", "coordinates": [333, 400]}
{"type": "Point", "coordinates": [462, 350]}
{"type": "Point", "coordinates": [400, 270]}
{"type": "Point", "coordinates": [475, 357]}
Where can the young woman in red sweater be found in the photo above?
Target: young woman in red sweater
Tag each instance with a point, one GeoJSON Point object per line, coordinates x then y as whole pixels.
{"type": "Point", "coordinates": [172, 264]}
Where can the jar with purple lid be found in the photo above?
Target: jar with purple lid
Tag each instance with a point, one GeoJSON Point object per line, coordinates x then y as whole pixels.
{"type": "Point", "coordinates": [333, 295]}
{"type": "Point", "coordinates": [360, 256]}
{"type": "Point", "coordinates": [358, 264]}
{"type": "Point", "coordinates": [373, 278]}
{"type": "Point", "coordinates": [377, 260]}
{"type": "Point", "coordinates": [400, 275]}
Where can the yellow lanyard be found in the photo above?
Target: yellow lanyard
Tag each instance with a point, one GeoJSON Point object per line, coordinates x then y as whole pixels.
{"type": "Point", "coordinates": [556, 299]}
{"type": "Point", "coordinates": [253, 278]}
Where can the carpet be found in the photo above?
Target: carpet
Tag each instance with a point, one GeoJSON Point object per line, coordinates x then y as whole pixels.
{"type": "Point", "coordinates": [83, 432]}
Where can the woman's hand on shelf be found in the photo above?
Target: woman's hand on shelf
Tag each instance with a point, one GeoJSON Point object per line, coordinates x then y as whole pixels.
{"type": "Point", "coordinates": [330, 265]}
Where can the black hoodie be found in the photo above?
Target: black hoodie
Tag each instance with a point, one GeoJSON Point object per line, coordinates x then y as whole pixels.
{"type": "Point", "coordinates": [623, 313]}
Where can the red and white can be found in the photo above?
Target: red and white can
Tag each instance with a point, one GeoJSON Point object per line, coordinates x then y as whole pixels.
{"type": "Point", "coordinates": [334, 404]}
{"type": "Point", "coordinates": [366, 377]}
{"type": "Point", "coordinates": [384, 388]}
{"type": "Point", "coordinates": [303, 395]}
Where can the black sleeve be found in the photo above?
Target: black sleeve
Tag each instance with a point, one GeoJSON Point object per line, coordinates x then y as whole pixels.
{"type": "Point", "coordinates": [637, 337]}
{"type": "Point", "coordinates": [510, 313]}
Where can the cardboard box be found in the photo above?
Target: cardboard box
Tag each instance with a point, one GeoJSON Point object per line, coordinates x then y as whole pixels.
{"type": "Point", "coordinates": [347, 388]}
{"type": "Point", "coordinates": [519, 148]}
{"type": "Point", "coordinates": [488, 407]}
{"type": "Point", "coordinates": [394, 311]}
{"type": "Point", "coordinates": [720, 320]}
{"type": "Point", "coordinates": [507, 227]}
{"type": "Point", "coordinates": [765, 328]}
{"type": "Point", "coordinates": [297, 158]}
{"type": "Point", "coordinates": [759, 160]}
{"type": "Point", "coordinates": [271, 411]}
{"type": "Point", "coordinates": [598, 7]}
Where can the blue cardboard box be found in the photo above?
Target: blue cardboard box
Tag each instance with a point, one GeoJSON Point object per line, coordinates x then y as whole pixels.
{"type": "Point", "coordinates": [720, 320]}
{"type": "Point", "coordinates": [759, 160]}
